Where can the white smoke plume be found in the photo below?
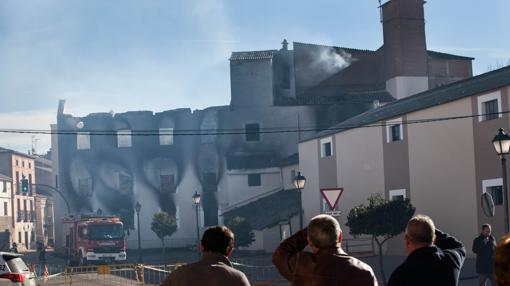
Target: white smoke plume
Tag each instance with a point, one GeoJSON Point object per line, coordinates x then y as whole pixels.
{"type": "Point", "coordinates": [328, 60]}
{"type": "Point", "coordinates": [325, 62]}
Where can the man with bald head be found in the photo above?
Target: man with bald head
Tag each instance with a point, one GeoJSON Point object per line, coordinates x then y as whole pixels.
{"type": "Point", "coordinates": [327, 264]}
{"type": "Point", "coordinates": [434, 257]}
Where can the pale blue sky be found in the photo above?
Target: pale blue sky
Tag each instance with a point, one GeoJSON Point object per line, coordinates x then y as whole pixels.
{"type": "Point", "coordinates": [105, 55]}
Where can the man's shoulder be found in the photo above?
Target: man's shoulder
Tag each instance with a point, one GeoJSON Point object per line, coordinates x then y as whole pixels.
{"type": "Point", "coordinates": [220, 270]}
{"type": "Point", "coordinates": [358, 264]}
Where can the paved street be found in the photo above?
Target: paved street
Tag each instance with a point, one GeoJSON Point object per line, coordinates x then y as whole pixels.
{"type": "Point", "coordinates": [260, 267]}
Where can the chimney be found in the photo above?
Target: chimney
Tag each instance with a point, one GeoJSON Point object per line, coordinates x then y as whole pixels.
{"type": "Point", "coordinates": [285, 45]}
{"type": "Point", "coordinates": [405, 50]}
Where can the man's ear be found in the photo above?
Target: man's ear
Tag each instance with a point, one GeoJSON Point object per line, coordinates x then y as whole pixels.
{"type": "Point", "coordinates": [201, 247]}
{"type": "Point", "coordinates": [312, 247]}
{"type": "Point", "coordinates": [229, 252]}
{"type": "Point", "coordinates": [309, 242]}
{"type": "Point", "coordinates": [340, 237]}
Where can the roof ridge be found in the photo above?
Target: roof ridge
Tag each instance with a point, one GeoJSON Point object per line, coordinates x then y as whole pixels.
{"type": "Point", "coordinates": [343, 48]}
{"type": "Point", "coordinates": [256, 51]}
{"type": "Point", "coordinates": [448, 54]}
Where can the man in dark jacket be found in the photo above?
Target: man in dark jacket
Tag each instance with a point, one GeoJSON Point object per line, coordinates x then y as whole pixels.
{"type": "Point", "coordinates": [327, 264]}
{"type": "Point", "coordinates": [435, 258]}
{"type": "Point", "coordinates": [214, 269]}
{"type": "Point", "coordinates": [484, 246]}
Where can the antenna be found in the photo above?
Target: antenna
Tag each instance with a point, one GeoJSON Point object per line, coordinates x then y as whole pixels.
{"type": "Point", "coordinates": [34, 144]}
{"type": "Point", "coordinates": [380, 11]}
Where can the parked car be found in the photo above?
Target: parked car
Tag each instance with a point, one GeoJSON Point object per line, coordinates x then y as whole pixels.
{"type": "Point", "coordinates": [14, 271]}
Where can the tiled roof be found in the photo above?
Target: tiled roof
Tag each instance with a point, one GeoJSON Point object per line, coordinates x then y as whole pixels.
{"type": "Point", "coordinates": [4, 177]}
{"type": "Point", "coordinates": [290, 160]}
{"type": "Point", "coordinates": [268, 211]}
{"type": "Point", "coordinates": [16, 153]}
{"type": "Point", "coordinates": [446, 56]}
{"type": "Point", "coordinates": [244, 161]}
{"type": "Point", "coordinates": [315, 98]}
{"type": "Point", "coordinates": [440, 95]}
{"type": "Point", "coordinates": [341, 48]}
{"type": "Point", "coordinates": [252, 55]}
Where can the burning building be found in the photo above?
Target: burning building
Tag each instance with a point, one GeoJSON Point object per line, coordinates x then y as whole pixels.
{"type": "Point", "coordinates": [232, 154]}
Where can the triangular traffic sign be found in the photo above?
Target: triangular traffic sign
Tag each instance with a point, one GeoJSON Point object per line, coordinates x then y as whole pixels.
{"type": "Point", "coordinates": [332, 196]}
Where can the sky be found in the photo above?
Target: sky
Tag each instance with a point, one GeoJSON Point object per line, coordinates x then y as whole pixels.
{"type": "Point", "coordinates": [104, 55]}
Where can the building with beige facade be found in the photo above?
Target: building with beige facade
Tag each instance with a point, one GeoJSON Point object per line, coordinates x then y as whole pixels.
{"type": "Point", "coordinates": [45, 200]}
{"type": "Point", "coordinates": [5, 212]}
{"type": "Point", "coordinates": [18, 166]}
{"type": "Point", "coordinates": [433, 148]}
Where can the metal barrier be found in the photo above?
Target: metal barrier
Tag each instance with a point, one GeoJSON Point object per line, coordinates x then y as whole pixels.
{"type": "Point", "coordinates": [359, 246]}
{"type": "Point", "coordinates": [259, 272]}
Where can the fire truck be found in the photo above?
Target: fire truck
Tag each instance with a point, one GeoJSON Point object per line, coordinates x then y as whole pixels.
{"type": "Point", "coordinates": [94, 238]}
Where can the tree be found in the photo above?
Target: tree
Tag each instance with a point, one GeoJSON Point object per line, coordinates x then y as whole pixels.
{"type": "Point", "coordinates": [242, 230]}
{"type": "Point", "coordinates": [163, 225]}
{"type": "Point", "coordinates": [380, 219]}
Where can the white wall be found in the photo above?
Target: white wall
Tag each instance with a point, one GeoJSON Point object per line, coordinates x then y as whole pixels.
{"type": "Point", "coordinates": [309, 166]}
{"type": "Point", "coordinates": [288, 181]}
{"type": "Point", "coordinates": [404, 86]}
{"type": "Point", "coordinates": [235, 189]}
{"type": "Point", "coordinates": [442, 169]}
{"type": "Point", "coordinates": [360, 166]}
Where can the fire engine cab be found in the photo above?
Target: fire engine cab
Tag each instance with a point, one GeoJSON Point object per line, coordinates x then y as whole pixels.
{"type": "Point", "coordinates": [94, 238]}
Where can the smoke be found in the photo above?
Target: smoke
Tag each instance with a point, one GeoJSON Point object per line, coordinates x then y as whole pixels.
{"type": "Point", "coordinates": [328, 60]}
{"type": "Point", "coordinates": [324, 62]}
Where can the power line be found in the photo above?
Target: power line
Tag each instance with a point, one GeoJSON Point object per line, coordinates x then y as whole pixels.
{"type": "Point", "coordinates": [267, 130]}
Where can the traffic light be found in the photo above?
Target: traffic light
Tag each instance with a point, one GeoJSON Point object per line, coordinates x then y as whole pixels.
{"type": "Point", "coordinates": [24, 185]}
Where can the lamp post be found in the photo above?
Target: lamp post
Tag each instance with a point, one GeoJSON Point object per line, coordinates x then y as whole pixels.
{"type": "Point", "coordinates": [299, 183]}
{"type": "Point", "coordinates": [196, 202]}
{"type": "Point", "coordinates": [502, 145]}
{"type": "Point", "coordinates": [138, 208]}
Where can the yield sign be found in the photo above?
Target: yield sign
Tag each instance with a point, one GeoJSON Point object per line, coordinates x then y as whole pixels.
{"type": "Point", "coordinates": [332, 196]}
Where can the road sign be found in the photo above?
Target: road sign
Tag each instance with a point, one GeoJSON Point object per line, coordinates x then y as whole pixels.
{"type": "Point", "coordinates": [332, 195]}
{"type": "Point", "coordinates": [334, 213]}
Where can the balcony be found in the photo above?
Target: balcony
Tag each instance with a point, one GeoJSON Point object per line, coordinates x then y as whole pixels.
{"type": "Point", "coordinates": [19, 215]}
{"type": "Point", "coordinates": [25, 216]}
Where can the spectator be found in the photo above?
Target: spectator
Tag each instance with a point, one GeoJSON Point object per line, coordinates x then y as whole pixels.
{"type": "Point", "coordinates": [502, 261]}
{"type": "Point", "coordinates": [434, 257]}
{"type": "Point", "coordinates": [484, 246]}
{"type": "Point", "coordinates": [327, 264]}
{"type": "Point", "coordinates": [14, 247]}
{"type": "Point", "coordinates": [214, 269]}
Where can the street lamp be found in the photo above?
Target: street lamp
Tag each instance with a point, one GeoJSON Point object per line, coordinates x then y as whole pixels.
{"type": "Point", "coordinates": [299, 183]}
{"type": "Point", "coordinates": [138, 208]}
{"type": "Point", "coordinates": [502, 145]}
{"type": "Point", "coordinates": [196, 202]}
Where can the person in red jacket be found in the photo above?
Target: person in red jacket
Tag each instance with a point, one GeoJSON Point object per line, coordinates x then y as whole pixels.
{"type": "Point", "coordinates": [327, 264]}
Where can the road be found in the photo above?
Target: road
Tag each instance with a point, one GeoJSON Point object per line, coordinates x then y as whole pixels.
{"type": "Point", "coordinates": [262, 271]}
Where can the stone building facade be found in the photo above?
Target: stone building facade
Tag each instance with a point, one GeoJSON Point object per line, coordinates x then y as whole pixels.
{"type": "Point", "coordinates": [230, 153]}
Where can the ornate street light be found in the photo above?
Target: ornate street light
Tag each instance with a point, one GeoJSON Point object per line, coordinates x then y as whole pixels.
{"type": "Point", "coordinates": [502, 145]}
{"type": "Point", "coordinates": [138, 208]}
{"type": "Point", "coordinates": [196, 202]}
{"type": "Point", "coordinates": [299, 183]}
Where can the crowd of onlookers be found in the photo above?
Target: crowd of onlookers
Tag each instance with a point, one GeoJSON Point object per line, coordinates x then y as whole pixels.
{"type": "Point", "coordinates": [434, 258]}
